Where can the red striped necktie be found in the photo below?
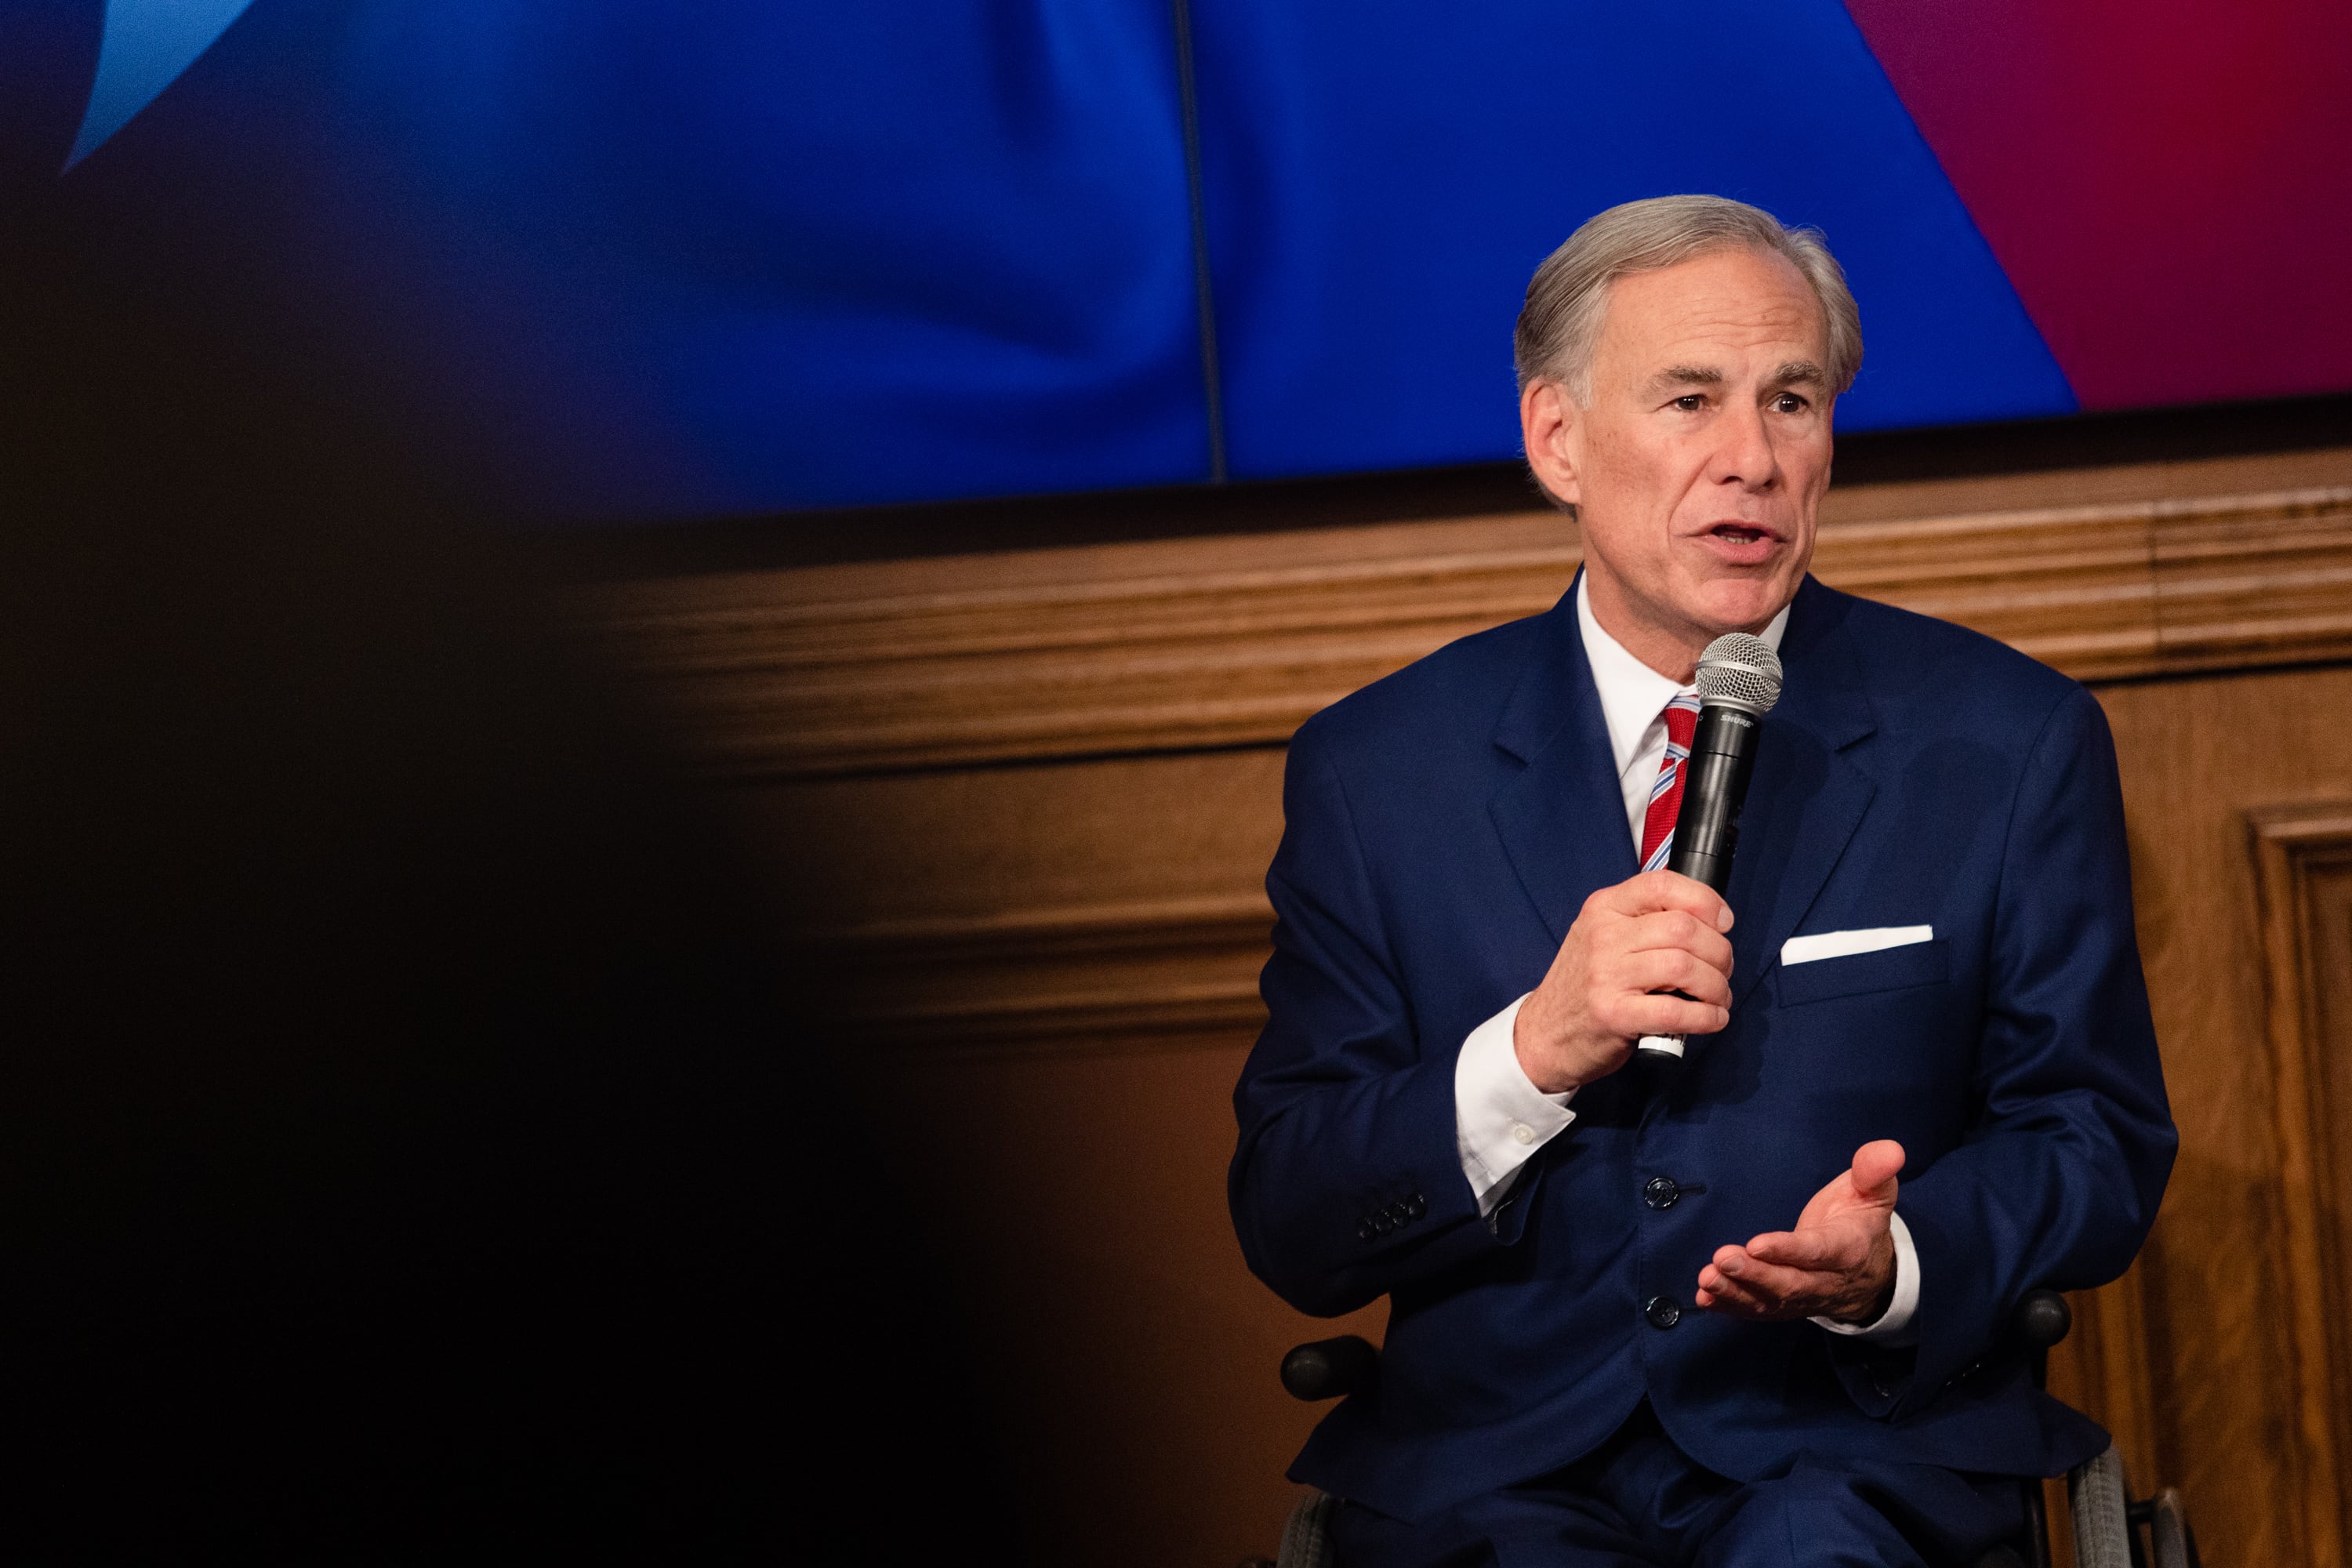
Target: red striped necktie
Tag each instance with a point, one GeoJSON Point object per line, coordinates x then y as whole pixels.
{"type": "Point", "coordinates": [1666, 794]}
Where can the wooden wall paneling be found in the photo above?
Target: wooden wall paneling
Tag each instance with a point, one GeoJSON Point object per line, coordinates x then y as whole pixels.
{"type": "Point", "coordinates": [1079, 1198]}
{"type": "Point", "coordinates": [1056, 967]}
{"type": "Point", "coordinates": [2267, 584]}
{"type": "Point", "coordinates": [2303, 857]}
{"type": "Point", "coordinates": [1164, 647]}
{"type": "Point", "coordinates": [1084, 905]}
{"type": "Point", "coordinates": [2226, 1336]}
{"type": "Point", "coordinates": [1181, 645]}
{"type": "Point", "coordinates": [1089, 978]}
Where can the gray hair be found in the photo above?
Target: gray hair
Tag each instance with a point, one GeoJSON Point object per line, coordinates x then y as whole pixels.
{"type": "Point", "coordinates": [1559, 325]}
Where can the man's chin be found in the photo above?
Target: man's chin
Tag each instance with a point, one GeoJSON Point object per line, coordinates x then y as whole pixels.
{"type": "Point", "coordinates": [1742, 604]}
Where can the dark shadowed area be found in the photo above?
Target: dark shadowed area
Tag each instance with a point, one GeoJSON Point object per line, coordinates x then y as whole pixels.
{"type": "Point", "coordinates": [410, 1147]}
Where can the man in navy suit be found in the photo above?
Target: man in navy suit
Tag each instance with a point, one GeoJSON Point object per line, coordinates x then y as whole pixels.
{"type": "Point", "coordinates": [1748, 1310]}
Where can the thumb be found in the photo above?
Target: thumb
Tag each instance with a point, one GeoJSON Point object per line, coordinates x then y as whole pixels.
{"type": "Point", "coordinates": [1875, 1166]}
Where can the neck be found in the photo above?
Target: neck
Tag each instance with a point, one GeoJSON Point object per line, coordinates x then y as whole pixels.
{"type": "Point", "coordinates": [1669, 650]}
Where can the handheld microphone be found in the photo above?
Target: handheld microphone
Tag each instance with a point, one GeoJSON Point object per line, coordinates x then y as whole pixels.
{"type": "Point", "coordinates": [1739, 682]}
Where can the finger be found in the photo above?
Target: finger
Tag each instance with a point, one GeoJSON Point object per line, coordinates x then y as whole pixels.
{"type": "Point", "coordinates": [1713, 1285]}
{"type": "Point", "coordinates": [1654, 891]}
{"type": "Point", "coordinates": [1731, 1296]}
{"type": "Point", "coordinates": [1670, 969]}
{"type": "Point", "coordinates": [1875, 1166]}
{"type": "Point", "coordinates": [1828, 1248]}
{"type": "Point", "coordinates": [1637, 1013]}
{"type": "Point", "coordinates": [1742, 1270]}
{"type": "Point", "coordinates": [1794, 1292]}
{"type": "Point", "coordinates": [1678, 928]}
{"type": "Point", "coordinates": [1719, 1274]}
{"type": "Point", "coordinates": [1730, 1300]}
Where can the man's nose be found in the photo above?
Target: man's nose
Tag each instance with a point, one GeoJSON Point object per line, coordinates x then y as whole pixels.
{"type": "Point", "coordinates": [1744, 455]}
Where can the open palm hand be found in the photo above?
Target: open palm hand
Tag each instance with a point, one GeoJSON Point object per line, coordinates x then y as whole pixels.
{"type": "Point", "coordinates": [1839, 1261]}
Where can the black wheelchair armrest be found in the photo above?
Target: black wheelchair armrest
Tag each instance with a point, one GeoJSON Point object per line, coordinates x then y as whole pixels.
{"type": "Point", "coordinates": [2041, 1320]}
{"type": "Point", "coordinates": [1327, 1369]}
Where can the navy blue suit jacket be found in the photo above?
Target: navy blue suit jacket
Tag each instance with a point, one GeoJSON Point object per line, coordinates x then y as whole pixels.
{"type": "Point", "coordinates": [1442, 829]}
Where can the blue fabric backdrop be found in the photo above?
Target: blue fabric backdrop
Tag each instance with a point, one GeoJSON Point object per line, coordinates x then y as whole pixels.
{"type": "Point", "coordinates": [628, 261]}
{"type": "Point", "coordinates": [1381, 181]}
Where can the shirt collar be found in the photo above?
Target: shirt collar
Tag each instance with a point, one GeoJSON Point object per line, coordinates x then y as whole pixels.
{"type": "Point", "coordinates": [1631, 693]}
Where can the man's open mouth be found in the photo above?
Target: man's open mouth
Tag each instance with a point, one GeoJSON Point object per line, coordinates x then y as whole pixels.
{"type": "Point", "coordinates": [1740, 532]}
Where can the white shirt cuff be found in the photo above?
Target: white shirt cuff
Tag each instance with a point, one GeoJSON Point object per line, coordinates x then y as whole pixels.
{"type": "Point", "coordinates": [1500, 1119]}
{"type": "Point", "coordinates": [1893, 1325]}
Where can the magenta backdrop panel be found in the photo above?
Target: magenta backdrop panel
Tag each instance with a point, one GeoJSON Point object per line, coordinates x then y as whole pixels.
{"type": "Point", "coordinates": [2166, 183]}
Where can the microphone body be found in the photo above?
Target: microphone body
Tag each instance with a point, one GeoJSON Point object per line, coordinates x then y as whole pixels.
{"type": "Point", "coordinates": [1738, 681]}
{"type": "Point", "coordinates": [1707, 828]}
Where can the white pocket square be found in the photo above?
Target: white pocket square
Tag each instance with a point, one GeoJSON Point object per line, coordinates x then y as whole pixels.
{"type": "Point", "coordinates": [1846, 943]}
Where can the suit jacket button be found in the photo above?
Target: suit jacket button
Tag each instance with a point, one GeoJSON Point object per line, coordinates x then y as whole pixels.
{"type": "Point", "coordinates": [1415, 1206]}
{"type": "Point", "coordinates": [1364, 1231]}
{"type": "Point", "coordinates": [1660, 1192]}
{"type": "Point", "coordinates": [1382, 1224]}
{"type": "Point", "coordinates": [1662, 1313]}
{"type": "Point", "coordinates": [1401, 1214]}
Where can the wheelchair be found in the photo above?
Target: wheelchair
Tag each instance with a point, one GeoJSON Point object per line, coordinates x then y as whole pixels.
{"type": "Point", "coordinates": [2110, 1531]}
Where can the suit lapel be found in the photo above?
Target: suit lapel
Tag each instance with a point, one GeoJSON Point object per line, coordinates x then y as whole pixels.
{"type": "Point", "coordinates": [1811, 785]}
{"type": "Point", "coordinates": [1561, 817]}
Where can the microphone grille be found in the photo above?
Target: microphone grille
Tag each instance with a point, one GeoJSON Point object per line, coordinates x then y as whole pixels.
{"type": "Point", "coordinates": [1742, 670]}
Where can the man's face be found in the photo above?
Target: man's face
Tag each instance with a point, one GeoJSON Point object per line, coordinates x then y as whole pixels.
{"type": "Point", "coordinates": [1698, 471]}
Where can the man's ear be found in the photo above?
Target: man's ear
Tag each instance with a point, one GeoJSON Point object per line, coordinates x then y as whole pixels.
{"type": "Point", "coordinates": [1550, 427]}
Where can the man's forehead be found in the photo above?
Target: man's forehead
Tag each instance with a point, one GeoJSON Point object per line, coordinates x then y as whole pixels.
{"type": "Point", "coordinates": [1712, 313]}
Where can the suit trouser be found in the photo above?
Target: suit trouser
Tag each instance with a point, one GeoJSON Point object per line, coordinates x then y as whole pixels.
{"type": "Point", "coordinates": [1638, 1499]}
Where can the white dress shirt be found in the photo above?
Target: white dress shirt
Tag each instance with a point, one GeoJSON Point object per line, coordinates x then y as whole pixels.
{"type": "Point", "coordinates": [1501, 1119]}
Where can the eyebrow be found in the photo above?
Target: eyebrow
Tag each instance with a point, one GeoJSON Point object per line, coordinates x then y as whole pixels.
{"type": "Point", "coordinates": [1793, 373]}
{"type": "Point", "coordinates": [1688, 376]}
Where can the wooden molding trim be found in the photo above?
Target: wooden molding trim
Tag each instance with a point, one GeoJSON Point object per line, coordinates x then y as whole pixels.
{"type": "Point", "coordinates": [1185, 645]}
{"type": "Point", "coordinates": [1081, 977]}
{"type": "Point", "coordinates": [2302, 854]}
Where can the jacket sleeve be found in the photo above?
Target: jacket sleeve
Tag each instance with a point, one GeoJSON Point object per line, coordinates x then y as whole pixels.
{"type": "Point", "coordinates": [1347, 1180]}
{"type": "Point", "coordinates": [2058, 1181]}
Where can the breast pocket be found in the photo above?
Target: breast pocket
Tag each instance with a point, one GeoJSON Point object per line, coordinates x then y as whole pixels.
{"type": "Point", "coordinates": [1889, 969]}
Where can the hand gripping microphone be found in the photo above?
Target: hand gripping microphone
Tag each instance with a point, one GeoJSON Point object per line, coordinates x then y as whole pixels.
{"type": "Point", "coordinates": [1738, 681]}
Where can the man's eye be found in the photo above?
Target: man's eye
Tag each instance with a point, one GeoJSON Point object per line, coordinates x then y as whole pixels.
{"type": "Point", "coordinates": [1691, 402]}
{"type": "Point", "coordinates": [1788, 403]}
